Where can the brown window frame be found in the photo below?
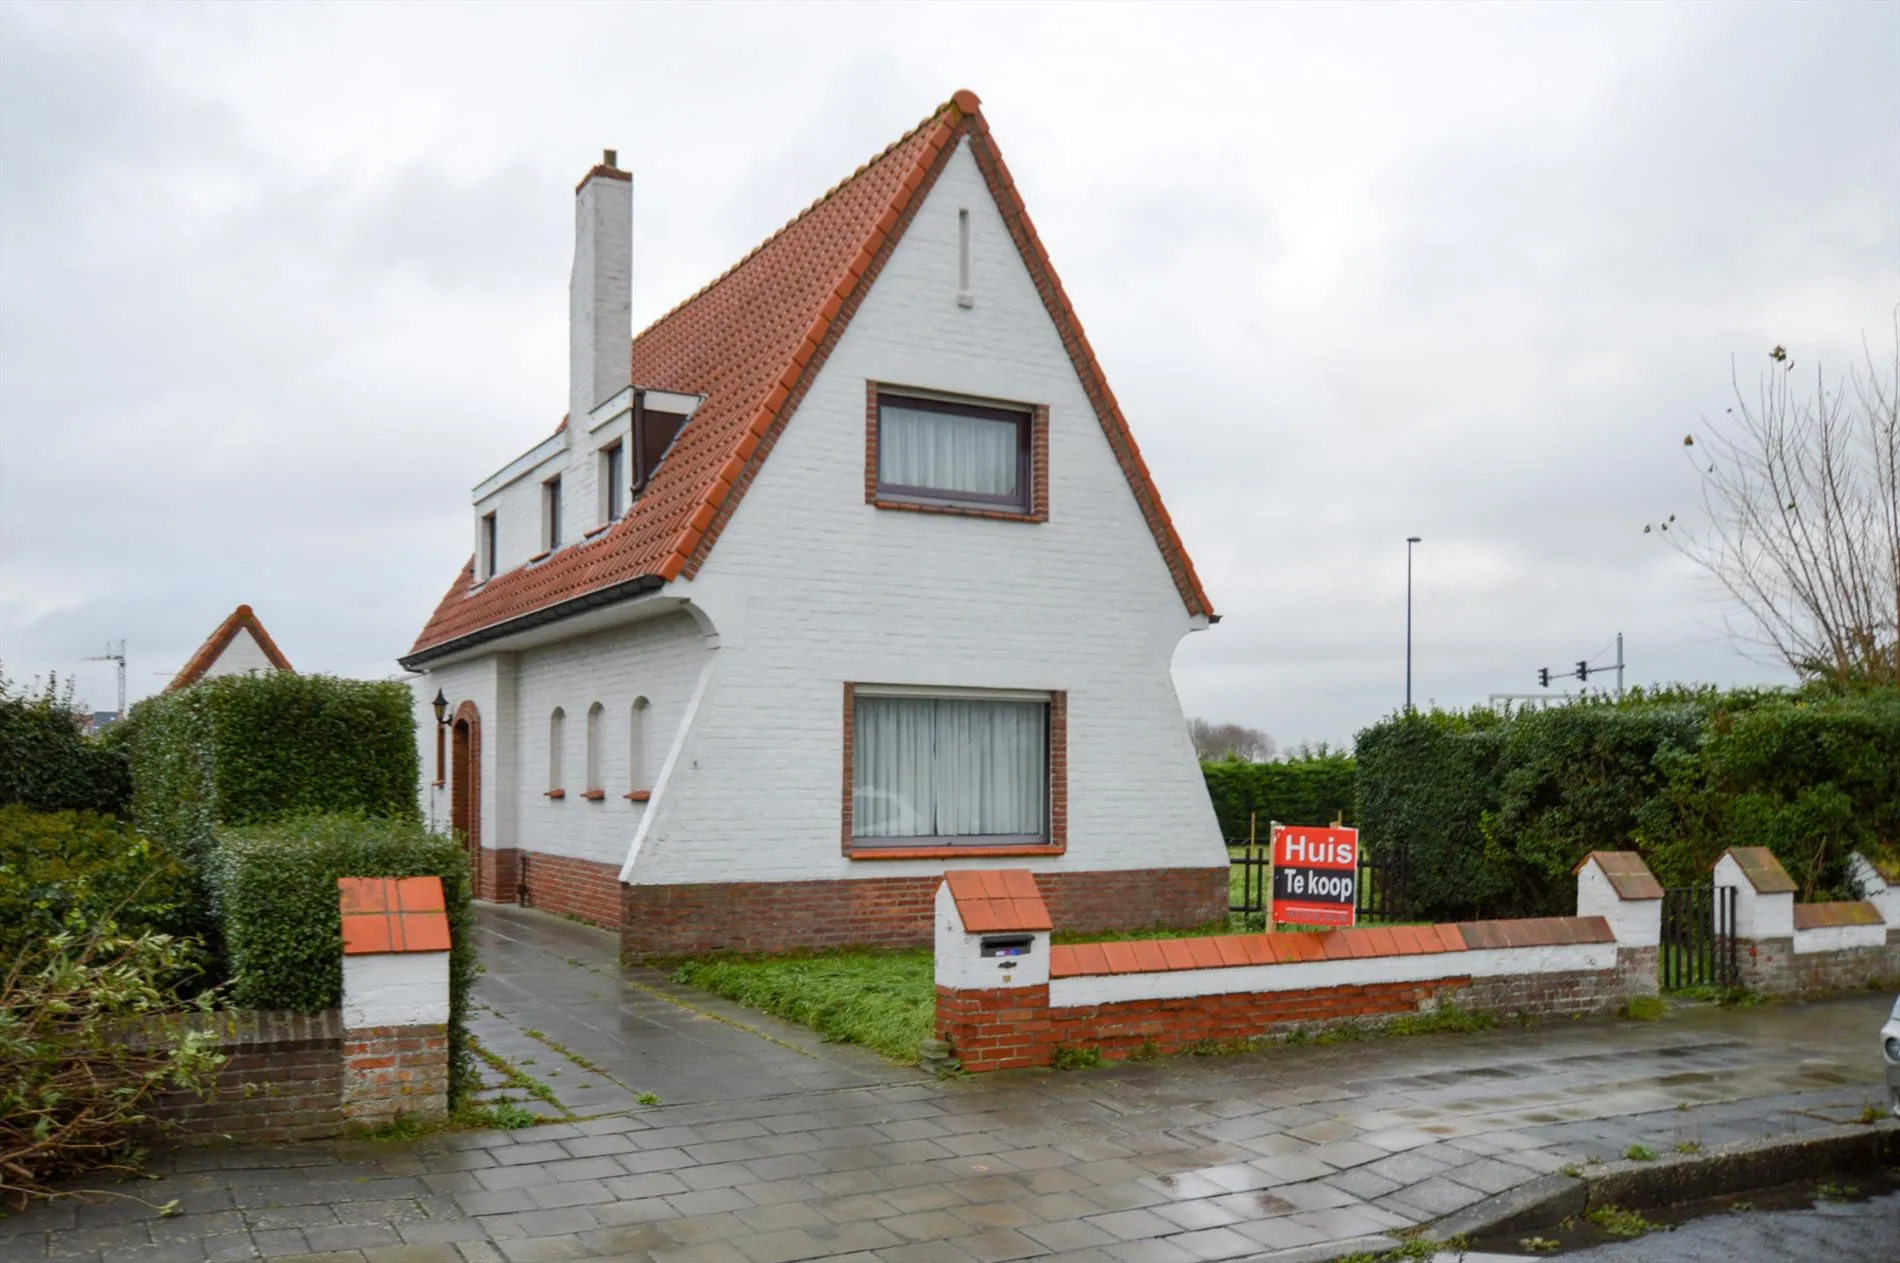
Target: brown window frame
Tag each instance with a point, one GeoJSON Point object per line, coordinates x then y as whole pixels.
{"type": "Point", "coordinates": [1055, 800]}
{"type": "Point", "coordinates": [1031, 501]}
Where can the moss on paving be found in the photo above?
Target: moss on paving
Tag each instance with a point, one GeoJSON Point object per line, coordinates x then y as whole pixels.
{"type": "Point", "coordinates": [885, 1001]}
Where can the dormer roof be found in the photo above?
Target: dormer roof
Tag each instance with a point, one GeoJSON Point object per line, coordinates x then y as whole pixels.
{"type": "Point", "coordinates": [751, 343]}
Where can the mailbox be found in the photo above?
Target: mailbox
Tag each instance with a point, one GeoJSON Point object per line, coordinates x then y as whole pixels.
{"type": "Point", "coordinates": [992, 931]}
{"type": "Point", "coordinates": [1008, 944]}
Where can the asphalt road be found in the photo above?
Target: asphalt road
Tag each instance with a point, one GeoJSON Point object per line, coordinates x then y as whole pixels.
{"type": "Point", "coordinates": [1858, 1232]}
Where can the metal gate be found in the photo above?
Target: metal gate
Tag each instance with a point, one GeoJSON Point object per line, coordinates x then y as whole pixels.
{"type": "Point", "coordinates": [1698, 938]}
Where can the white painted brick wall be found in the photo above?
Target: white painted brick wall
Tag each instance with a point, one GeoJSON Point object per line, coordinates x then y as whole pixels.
{"type": "Point", "coordinates": [1757, 916]}
{"type": "Point", "coordinates": [395, 989]}
{"type": "Point", "coordinates": [1366, 972]}
{"type": "Point", "coordinates": [1635, 922]}
{"type": "Point", "coordinates": [1837, 938]}
{"type": "Point", "coordinates": [659, 660]}
{"type": "Point", "coordinates": [242, 655]}
{"type": "Point", "coordinates": [475, 681]}
{"type": "Point", "coordinates": [810, 587]}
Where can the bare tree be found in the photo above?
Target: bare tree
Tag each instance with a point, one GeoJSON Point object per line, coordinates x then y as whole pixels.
{"type": "Point", "coordinates": [1230, 741]}
{"type": "Point", "coordinates": [1803, 502]}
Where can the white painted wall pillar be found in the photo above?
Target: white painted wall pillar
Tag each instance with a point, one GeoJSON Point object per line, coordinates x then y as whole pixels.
{"type": "Point", "coordinates": [1618, 886]}
{"type": "Point", "coordinates": [395, 998]}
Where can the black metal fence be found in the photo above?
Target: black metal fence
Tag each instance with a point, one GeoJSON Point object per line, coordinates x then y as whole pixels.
{"type": "Point", "coordinates": [1698, 938]}
{"type": "Point", "coordinates": [1382, 893]}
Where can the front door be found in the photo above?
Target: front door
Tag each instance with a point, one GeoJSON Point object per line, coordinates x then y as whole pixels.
{"type": "Point", "coordinates": [465, 792]}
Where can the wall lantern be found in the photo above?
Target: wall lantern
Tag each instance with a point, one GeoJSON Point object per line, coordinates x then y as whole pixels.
{"type": "Point", "coordinates": [441, 707]}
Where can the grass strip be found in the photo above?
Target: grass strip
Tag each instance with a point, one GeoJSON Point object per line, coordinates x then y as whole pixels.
{"type": "Point", "coordinates": [885, 1001]}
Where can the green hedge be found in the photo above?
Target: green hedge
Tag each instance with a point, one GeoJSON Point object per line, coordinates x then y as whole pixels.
{"type": "Point", "coordinates": [48, 764]}
{"type": "Point", "coordinates": [77, 869]}
{"type": "Point", "coordinates": [1302, 791]}
{"type": "Point", "coordinates": [245, 749]}
{"type": "Point", "coordinates": [1495, 811]}
{"type": "Point", "coordinates": [274, 894]}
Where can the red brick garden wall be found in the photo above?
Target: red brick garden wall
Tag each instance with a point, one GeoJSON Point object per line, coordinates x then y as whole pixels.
{"type": "Point", "coordinates": [283, 1080]}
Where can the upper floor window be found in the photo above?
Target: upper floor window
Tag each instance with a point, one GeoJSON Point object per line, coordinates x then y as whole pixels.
{"type": "Point", "coordinates": [551, 514]}
{"type": "Point", "coordinates": [613, 483]}
{"type": "Point", "coordinates": [487, 548]}
{"type": "Point", "coordinates": [933, 452]}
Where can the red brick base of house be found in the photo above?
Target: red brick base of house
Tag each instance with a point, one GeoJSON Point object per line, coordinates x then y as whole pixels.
{"type": "Point", "coordinates": [585, 890]}
{"type": "Point", "coordinates": [689, 920]}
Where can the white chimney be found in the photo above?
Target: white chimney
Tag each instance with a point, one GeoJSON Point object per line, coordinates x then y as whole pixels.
{"type": "Point", "coordinates": [600, 292]}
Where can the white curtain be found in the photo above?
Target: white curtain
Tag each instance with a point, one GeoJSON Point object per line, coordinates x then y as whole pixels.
{"type": "Point", "coordinates": [943, 767]}
{"type": "Point", "coordinates": [946, 452]}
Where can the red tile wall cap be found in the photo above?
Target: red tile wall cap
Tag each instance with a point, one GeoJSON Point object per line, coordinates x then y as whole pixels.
{"type": "Point", "coordinates": [392, 914]}
{"type": "Point", "coordinates": [1763, 870]}
{"type": "Point", "coordinates": [767, 324]}
{"type": "Point", "coordinates": [991, 900]}
{"type": "Point", "coordinates": [1627, 874]}
{"type": "Point", "coordinates": [243, 618]}
{"type": "Point", "coordinates": [1821, 916]}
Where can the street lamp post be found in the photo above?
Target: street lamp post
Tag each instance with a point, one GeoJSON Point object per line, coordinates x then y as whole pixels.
{"type": "Point", "coordinates": [1409, 541]}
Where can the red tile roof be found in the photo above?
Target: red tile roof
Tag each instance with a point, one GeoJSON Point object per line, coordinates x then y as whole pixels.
{"type": "Point", "coordinates": [1144, 956]}
{"type": "Point", "coordinates": [992, 900]}
{"type": "Point", "coordinates": [751, 343]}
{"type": "Point", "coordinates": [392, 914]}
{"type": "Point", "coordinates": [1628, 876]}
{"type": "Point", "coordinates": [1821, 916]}
{"type": "Point", "coordinates": [1763, 870]}
{"type": "Point", "coordinates": [241, 618]}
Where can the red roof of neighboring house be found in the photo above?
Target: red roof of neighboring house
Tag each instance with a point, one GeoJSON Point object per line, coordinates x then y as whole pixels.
{"type": "Point", "coordinates": [751, 343]}
{"type": "Point", "coordinates": [243, 618]}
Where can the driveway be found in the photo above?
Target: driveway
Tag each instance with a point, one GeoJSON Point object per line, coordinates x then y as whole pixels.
{"type": "Point", "coordinates": [771, 1148]}
{"type": "Point", "coordinates": [553, 999]}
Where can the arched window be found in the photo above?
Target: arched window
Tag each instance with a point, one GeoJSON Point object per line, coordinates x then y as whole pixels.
{"type": "Point", "coordinates": [638, 781]}
{"type": "Point", "coordinates": [557, 733]}
{"type": "Point", "coordinates": [594, 714]}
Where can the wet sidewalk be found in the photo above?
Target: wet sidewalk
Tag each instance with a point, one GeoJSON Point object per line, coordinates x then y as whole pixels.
{"type": "Point", "coordinates": [772, 1148]}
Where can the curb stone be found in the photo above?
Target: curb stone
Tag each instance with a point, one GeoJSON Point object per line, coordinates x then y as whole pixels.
{"type": "Point", "coordinates": [1326, 1251]}
{"type": "Point", "coordinates": [1741, 1167]}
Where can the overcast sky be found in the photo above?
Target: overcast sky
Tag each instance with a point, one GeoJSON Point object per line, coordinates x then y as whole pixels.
{"type": "Point", "coordinates": [278, 285]}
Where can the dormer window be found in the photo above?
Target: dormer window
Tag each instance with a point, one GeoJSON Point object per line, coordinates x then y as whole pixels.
{"type": "Point", "coordinates": [613, 483]}
{"type": "Point", "coordinates": [934, 452]}
{"type": "Point", "coordinates": [551, 514]}
{"type": "Point", "coordinates": [487, 548]}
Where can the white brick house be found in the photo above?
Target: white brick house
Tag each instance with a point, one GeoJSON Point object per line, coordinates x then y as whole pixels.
{"type": "Point", "coordinates": [849, 574]}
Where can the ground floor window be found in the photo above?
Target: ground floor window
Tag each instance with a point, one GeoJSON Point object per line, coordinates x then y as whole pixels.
{"type": "Point", "coordinates": [950, 769]}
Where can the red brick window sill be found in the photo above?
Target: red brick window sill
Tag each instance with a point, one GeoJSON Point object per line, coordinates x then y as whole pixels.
{"type": "Point", "coordinates": [956, 510]}
{"type": "Point", "coordinates": [556, 793]}
{"type": "Point", "coordinates": [594, 795]}
{"type": "Point", "coordinates": [950, 852]}
{"type": "Point", "coordinates": [639, 795]}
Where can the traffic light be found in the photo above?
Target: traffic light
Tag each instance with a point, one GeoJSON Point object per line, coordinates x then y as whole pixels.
{"type": "Point", "coordinates": [1583, 670]}
{"type": "Point", "coordinates": [1543, 676]}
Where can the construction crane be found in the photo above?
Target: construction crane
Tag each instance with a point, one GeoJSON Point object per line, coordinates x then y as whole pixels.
{"type": "Point", "coordinates": [118, 656]}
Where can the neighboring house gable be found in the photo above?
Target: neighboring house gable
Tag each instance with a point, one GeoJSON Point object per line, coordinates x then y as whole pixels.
{"type": "Point", "coordinates": [239, 645]}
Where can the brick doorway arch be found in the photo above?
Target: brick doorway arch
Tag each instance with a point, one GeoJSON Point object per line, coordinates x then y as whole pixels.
{"type": "Point", "coordinates": [465, 788]}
